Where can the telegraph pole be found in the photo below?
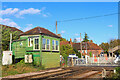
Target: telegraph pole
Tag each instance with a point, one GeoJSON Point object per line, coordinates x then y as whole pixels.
{"type": "Point", "coordinates": [81, 45]}
{"type": "Point", "coordinates": [56, 27]}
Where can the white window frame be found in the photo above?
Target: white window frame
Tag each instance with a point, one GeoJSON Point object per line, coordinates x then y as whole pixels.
{"type": "Point", "coordinates": [30, 42]}
{"type": "Point", "coordinates": [47, 44]}
{"type": "Point", "coordinates": [54, 45]}
{"type": "Point", "coordinates": [38, 44]}
{"type": "Point", "coordinates": [58, 46]}
{"type": "Point", "coordinates": [42, 44]}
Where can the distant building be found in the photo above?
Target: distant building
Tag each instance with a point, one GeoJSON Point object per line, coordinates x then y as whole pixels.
{"type": "Point", "coordinates": [88, 48]}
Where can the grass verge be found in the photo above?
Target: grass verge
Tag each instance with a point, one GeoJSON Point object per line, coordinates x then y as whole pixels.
{"type": "Point", "coordinates": [20, 68]}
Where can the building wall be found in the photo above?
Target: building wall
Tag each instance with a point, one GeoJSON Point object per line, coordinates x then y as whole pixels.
{"type": "Point", "coordinates": [47, 58]}
{"type": "Point", "coordinates": [51, 58]}
{"type": "Point", "coordinates": [95, 52]}
{"type": "Point", "coordinates": [19, 49]}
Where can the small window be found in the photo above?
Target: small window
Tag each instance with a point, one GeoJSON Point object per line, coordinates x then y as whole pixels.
{"type": "Point", "coordinates": [30, 42]}
{"type": "Point", "coordinates": [21, 44]}
{"type": "Point", "coordinates": [36, 43]}
{"type": "Point", "coordinates": [56, 45]}
{"type": "Point", "coordinates": [53, 45]}
{"type": "Point", "coordinates": [43, 43]}
{"type": "Point", "coordinates": [48, 44]}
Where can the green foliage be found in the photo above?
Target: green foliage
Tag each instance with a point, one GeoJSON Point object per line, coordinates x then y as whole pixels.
{"type": "Point", "coordinates": [66, 49]}
{"type": "Point", "coordinates": [118, 70]}
{"type": "Point", "coordinates": [111, 44]}
{"type": "Point", "coordinates": [85, 39]}
{"type": "Point", "coordinates": [77, 53]}
{"type": "Point", "coordinates": [90, 54]}
{"type": "Point", "coordinates": [63, 39]}
{"type": "Point", "coordinates": [115, 76]}
{"type": "Point", "coordinates": [6, 37]}
{"type": "Point", "coordinates": [20, 68]}
{"type": "Point", "coordinates": [104, 46]}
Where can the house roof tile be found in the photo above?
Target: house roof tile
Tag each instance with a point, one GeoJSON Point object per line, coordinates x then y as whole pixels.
{"type": "Point", "coordinates": [40, 30]}
{"type": "Point", "coordinates": [90, 46]}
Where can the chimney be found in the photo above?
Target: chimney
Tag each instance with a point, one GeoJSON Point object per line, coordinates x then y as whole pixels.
{"type": "Point", "coordinates": [71, 42]}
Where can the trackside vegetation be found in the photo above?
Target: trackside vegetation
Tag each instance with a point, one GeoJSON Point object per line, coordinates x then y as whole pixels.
{"type": "Point", "coordinates": [20, 68]}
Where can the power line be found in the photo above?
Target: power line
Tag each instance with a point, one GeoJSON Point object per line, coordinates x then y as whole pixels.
{"type": "Point", "coordinates": [89, 17]}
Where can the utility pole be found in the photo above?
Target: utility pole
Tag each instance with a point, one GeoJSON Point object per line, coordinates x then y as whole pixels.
{"type": "Point", "coordinates": [81, 45]}
{"type": "Point", "coordinates": [112, 50]}
{"type": "Point", "coordinates": [56, 27]}
{"type": "Point", "coordinates": [86, 47]}
{"type": "Point", "coordinates": [10, 40]}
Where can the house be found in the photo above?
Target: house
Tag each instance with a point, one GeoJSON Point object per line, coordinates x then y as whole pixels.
{"type": "Point", "coordinates": [42, 44]}
{"type": "Point", "coordinates": [66, 42]}
{"type": "Point", "coordinates": [88, 48]}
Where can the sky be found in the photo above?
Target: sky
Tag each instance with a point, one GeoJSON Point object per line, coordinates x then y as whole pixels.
{"type": "Point", "coordinates": [60, 0]}
{"type": "Point", "coordinates": [27, 15]}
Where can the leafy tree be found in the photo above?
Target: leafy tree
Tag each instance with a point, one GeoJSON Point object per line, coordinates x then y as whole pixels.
{"type": "Point", "coordinates": [85, 39]}
{"type": "Point", "coordinates": [113, 43]}
{"type": "Point", "coordinates": [75, 40]}
{"type": "Point", "coordinates": [90, 54]}
{"type": "Point", "coordinates": [66, 49]}
{"type": "Point", "coordinates": [77, 53]}
{"type": "Point", "coordinates": [6, 37]}
{"type": "Point", "coordinates": [104, 46]}
{"type": "Point", "coordinates": [63, 39]}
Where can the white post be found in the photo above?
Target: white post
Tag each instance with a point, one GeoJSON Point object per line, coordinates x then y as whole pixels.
{"type": "Point", "coordinates": [114, 70]}
{"type": "Point", "coordinates": [10, 40]}
{"type": "Point", "coordinates": [98, 60]}
{"type": "Point", "coordinates": [86, 59]}
{"type": "Point", "coordinates": [93, 58]}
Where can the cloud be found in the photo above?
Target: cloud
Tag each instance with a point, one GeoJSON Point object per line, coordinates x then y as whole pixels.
{"type": "Point", "coordinates": [76, 34]}
{"type": "Point", "coordinates": [29, 26]}
{"type": "Point", "coordinates": [62, 32]}
{"type": "Point", "coordinates": [9, 22]}
{"type": "Point", "coordinates": [19, 13]}
{"type": "Point", "coordinates": [78, 39]}
{"type": "Point", "coordinates": [9, 11]}
{"type": "Point", "coordinates": [45, 15]}
{"type": "Point", "coordinates": [110, 25]}
{"type": "Point", "coordinates": [30, 11]}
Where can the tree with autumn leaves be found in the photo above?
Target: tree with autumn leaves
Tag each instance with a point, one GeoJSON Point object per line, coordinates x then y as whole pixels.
{"type": "Point", "coordinates": [113, 43]}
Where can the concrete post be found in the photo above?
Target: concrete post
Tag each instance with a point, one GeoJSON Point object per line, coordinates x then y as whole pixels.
{"type": "Point", "coordinates": [86, 58]}
{"type": "Point", "coordinates": [114, 70]}
{"type": "Point", "coordinates": [72, 61]}
{"type": "Point", "coordinates": [98, 60]}
{"type": "Point", "coordinates": [93, 58]}
{"type": "Point", "coordinates": [103, 73]}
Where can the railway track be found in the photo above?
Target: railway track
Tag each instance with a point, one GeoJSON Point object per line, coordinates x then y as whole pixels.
{"type": "Point", "coordinates": [64, 73]}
